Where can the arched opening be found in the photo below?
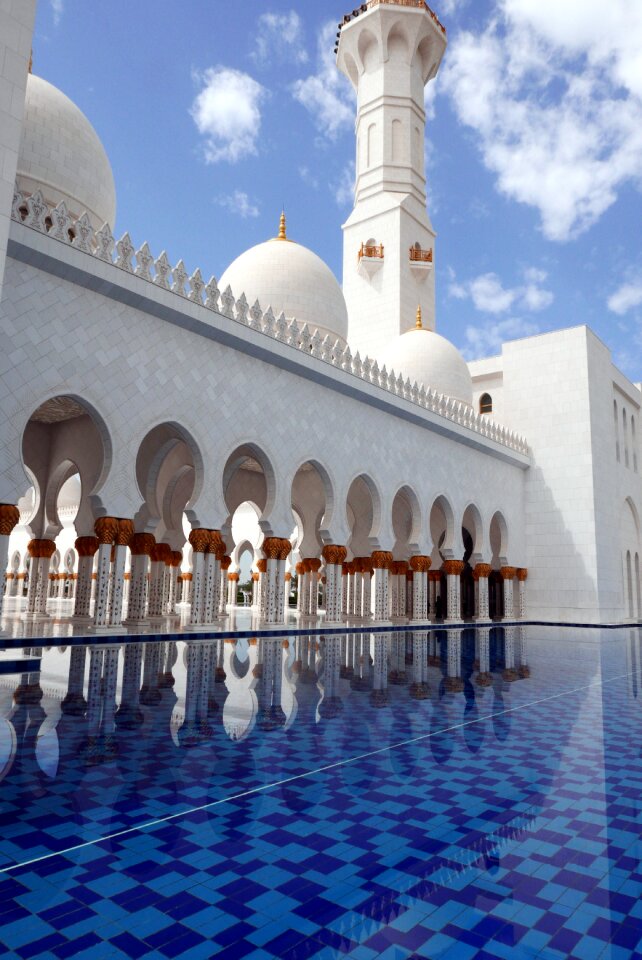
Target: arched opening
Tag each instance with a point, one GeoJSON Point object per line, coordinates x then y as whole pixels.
{"type": "Point", "coordinates": [63, 437]}
{"type": "Point", "coordinates": [634, 446]}
{"type": "Point", "coordinates": [638, 597]}
{"type": "Point", "coordinates": [625, 440]}
{"type": "Point", "coordinates": [312, 501]}
{"type": "Point", "coordinates": [364, 515]}
{"type": "Point", "coordinates": [168, 465]}
{"type": "Point", "coordinates": [499, 557]}
{"type": "Point", "coordinates": [442, 533]}
{"type": "Point", "coordinates": [397, 141]}
{"type": "Point", "coordinates": [485, 404]}
{"type": "Point", "coordinates": [249, 477]}
{"type": "Point", "coordinates": [630, 545]}
{"type": "Point", "coordinates": [616, 425]}
{"type": "Point", "coordinates": [406, 522]}
{"type": "Point", "coordinates": [472, 533]}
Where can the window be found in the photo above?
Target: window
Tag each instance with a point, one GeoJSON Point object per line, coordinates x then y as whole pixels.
{"type": "Point", "coordinates": [485, 403]}
{"type": "Point", "coordinates": [634, 448]}
{"type": "Point", "coordinates": [624, 439]}
{"type": "Point", "coordinates": [617, 431]}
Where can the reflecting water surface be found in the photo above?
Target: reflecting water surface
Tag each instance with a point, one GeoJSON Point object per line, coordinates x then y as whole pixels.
{"type": "Point", "coordinates": [434, 793]}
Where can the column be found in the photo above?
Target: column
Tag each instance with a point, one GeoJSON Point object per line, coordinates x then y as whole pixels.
{"type": "Point", "coordinates": [345, 590]}
{"type": "Point", "coordinates": [508, 574]}
{"type": "Point", "coordinates": [314, 565]}
{"type": "Point", "coordinates": [200, 540]}
{"type": "Point", "coordinates": [123, 539]}
{"type": "Point", "coordinates": [453, 570]}
{"type": "Point", "coordinates": [357, 587]}
{"type": "Point", "coordinates": [41, 552]}
{"type": "Point", "coordinates": [522, 577]}
{"type": "Point", "coordinates": [186, 596]}
{"type": "Point", "coordinates": [156, 577]}
{"type": "Point", "coordinates": [213, 557]}
{"type": "Point", "coordinates": [481, 574]}
{"type": "Point", "coordinates": [276, 550]}
{"type": "Point", "coordinates": [420, 565]}
{"type": "Point", "coordinates": [106, 529]}
{"type": "Point", "coordinates": [141, 547]}
{"type": "Point", "coordinates": [85, 548]}
{"type": "Point", "coordinates": [367, 572]}
{"type": "Point", "coordinates": [334, 557]}
{"type": "Point", "coordinates": [300, 574]}
{"type": "Point", "coordinates": [176, 559]}
{"type": "Point", "coordinates": [261, 592]}
{"type": "Point", "coordinates": [9, 519]}
{"type": "Point", "coordinates": [381, 560]}
{"type": "Point", "coordinates": [434, 580]}
{"type": "Point", "coordinates": [393, 586]}
{"type": "Point", "coordinates": [226, 563]}
{"type": "Point", "coordinates": [232, 588]}
{"type": "Point", "coordinates": [255, 588]}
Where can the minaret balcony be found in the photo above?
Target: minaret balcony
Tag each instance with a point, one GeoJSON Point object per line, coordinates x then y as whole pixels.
{"type": "Point", "coordinates": [370, 259]}
{"type": "Point", "coordinates": [421, 262]}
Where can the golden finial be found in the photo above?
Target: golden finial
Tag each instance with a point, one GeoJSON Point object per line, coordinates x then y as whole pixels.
{"type": "Point", "coordinates": [282, 234]}
{"type": "Point", "coordinates": [31, 63]}
{"type": "Point", "coordinates": [418, 324]}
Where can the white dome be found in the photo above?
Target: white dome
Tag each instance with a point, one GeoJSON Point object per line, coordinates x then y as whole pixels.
{"type": "Point", "coordinates": [431, 360]}
{"type": "Point", "coordinates": [61, 155]}
{"type": "Point", "coordinates": [293, 280]}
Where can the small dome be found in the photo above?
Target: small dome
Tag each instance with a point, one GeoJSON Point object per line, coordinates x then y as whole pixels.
{"type": "Point", "coordinates": [291, 279]}
{"type": "Point", "coordinates": [431, 360]}
{"type": "Point", "coordinates": [62, 156]}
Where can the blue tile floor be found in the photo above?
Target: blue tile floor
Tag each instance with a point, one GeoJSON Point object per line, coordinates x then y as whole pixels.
{"type": "Point", "coordinates": [475, 794]}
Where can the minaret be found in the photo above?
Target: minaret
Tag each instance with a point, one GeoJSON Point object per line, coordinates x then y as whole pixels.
{"type": "Point", "coordinates": [389, 51]}
{"type": "Point", "coordinates": [16, 32]}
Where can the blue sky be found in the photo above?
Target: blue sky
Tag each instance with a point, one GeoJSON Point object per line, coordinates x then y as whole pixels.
{"type": "Point", "coordinates": [215, 116]}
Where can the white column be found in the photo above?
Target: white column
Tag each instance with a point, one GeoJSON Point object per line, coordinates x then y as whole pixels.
{"type": "Point", "coordinates": [345, 591]}
{"type": "Point", "coordinates": [366, 593]}
{"type": "Point", "coordinates": [453, 570]}
{"type": "Point", "coordinates": [508, 574]}
{"type": "Point", "coordinates": [420, 566]}
{"type": "Point", "coordinates": [83, 584]}
{"type": "Point", "coordinates": [106, 531]}
{"type": "Point", "coordinates": [522, 576]}
{"type": "Point", "coordinates": [200, 540]}
{"type": "Point", "coordinates": [381, 561]}
{"type": "Point", "coordinates": [482, 572]}
{"type": "Point", "coordinates": [117, 585]}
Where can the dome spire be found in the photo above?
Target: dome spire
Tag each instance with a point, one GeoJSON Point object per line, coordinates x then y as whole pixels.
{"type": "Point", "coordinates": [418, 323]}
{"type": "Point", "coordinates": [282, 234]}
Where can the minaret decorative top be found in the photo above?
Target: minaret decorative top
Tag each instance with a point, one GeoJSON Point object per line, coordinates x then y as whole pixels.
{"type": "Point", "coordinates": [282, 232]}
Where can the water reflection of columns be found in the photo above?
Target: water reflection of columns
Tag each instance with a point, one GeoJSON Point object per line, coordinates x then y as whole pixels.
{"type": "Point", "coordinates": [453, 681]}
{"type": "Point", "coordinates": [484, 677]}
{"type": "Point", "coordinates": [269, 686]}
{"type": "Point", "coordinates": [74, 704]}
{"type": "Point", "coordinates": [397, 674]}
{"type": "Point", "coordinates": [509, 673]}
{"type": "Point", "coordinates": [129, 714]}
{"type": "Point", "coordinates": [150, 694]}
{"type": "Point", "coordinates": [419, 689]}
{"type": "Point", "coordinates": [379, 693]}
{"type": "Point", "coordinates": [331, 704]}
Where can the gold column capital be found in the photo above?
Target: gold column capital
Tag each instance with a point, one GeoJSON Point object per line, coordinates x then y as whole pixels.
{"type": "Point", "coordinates": [9, 518]}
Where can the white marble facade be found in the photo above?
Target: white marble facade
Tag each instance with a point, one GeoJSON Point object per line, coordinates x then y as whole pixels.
{"type": "Point", "coordinates": [405, 500]}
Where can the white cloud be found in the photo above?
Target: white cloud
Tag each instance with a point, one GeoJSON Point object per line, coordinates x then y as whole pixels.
{"type": "Point", "coordinates": [487, 341]}
{"type": "Point", "coordinates": [490, 296]}
{"type": "Point", "coordinates": [308, 177]}
{"type": "Point", "coordinates": [227, 113]}
{"type": "Point", "coordinates": [58, 8]}
{"type": "Point", "coordinates": [279, 37]}
{"type": "Point", "coordinates": [326, 94]}
{"type": "Point", "coordinates": [626, 298]}
{"type": "Point", "coordinates": [553, 92]}
{"type": "Point", "coordinates": [343, 188]}
{"type": "Point", "coordinates": [239, 203]}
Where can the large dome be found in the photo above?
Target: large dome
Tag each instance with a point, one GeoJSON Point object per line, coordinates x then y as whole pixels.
{"type": "Point", "coordinates": [431, 360]}
{"type": "Point", "coordinates": [291, 279]}
{"type": "Point", "coordinates": [62, 156]}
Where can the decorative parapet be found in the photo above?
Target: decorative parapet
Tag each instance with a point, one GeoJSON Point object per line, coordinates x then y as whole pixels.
{"type": "Point", "coordinates": [56, 223]}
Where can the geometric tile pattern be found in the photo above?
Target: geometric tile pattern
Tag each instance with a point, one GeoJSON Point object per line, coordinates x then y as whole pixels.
{"type": "Point", "coordinates": [453, 821]}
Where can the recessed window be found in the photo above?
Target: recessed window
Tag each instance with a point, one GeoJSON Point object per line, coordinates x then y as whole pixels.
{"type": "Point", "coordinates": [485, 403]}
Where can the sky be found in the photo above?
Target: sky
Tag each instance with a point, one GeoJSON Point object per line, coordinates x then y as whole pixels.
{"type": "Point", "coordinates": [217, 116]}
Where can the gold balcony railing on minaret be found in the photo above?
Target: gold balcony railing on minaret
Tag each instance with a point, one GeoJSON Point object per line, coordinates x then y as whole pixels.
{"type": "Point", "coordinates": [374, 252]}
{"type": "Point", "coordinates": [417, 255]}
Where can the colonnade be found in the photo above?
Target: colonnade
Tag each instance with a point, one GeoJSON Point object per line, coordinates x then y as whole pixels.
{"type": "Point", "coordinates": [376, 587]}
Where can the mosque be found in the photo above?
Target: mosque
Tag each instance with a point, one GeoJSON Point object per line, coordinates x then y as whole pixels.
{"type": "Point", "coordinates": [397, 483]}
